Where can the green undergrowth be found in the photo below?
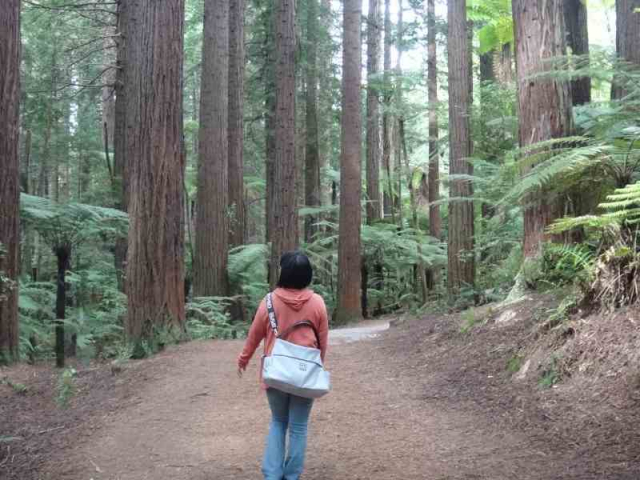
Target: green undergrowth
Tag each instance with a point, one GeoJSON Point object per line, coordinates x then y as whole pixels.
{"type": "Point", "coordinates": [66, 387]}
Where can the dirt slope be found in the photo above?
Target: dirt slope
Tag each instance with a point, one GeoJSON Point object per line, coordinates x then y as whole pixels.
{"type": "Point", "coordinates": [419, 402]}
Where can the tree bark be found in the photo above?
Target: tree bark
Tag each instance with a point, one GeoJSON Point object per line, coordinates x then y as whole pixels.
{"type": "Point", "coordinates": [374, 36]}
{"type": "Point", "coordinates": [434, 156]}
{"type": "Point", "coordinates": [487, 78]}
{"type": "Point", "coordinates": [44, 178]}
{"type": "Point", "coordinates": [284, 236]}
{"type": "Point", "coordinates": [420, 270]}
{"type": "Point", "coordinates": [386, 116]}
{"type": "Point", "coordinates": [312, 154]}
{"type": "Point", "coordinates": [63, 254]}
{"type": "Point", "coordinates": [212, 227]}
{"type": "Point", "coordinates": [487, 67]}
{"type": "Point", "coordinates": [544, 105]}
{"type": "Point", "coordinates": [155, 161]}
{"type": "Point", "coordinates": [503, 65]}
{"type": "Point", "coordinates": [120, 170]}
{"type": "Point", "coordinates": [349, 280]}
{"type": "Point", "coordinates": [461, 262]}
{"type": "Point", "coordinates": [236, 123]}
{"type": "Point", "coordinates": [269, 122]}
{"type": "Point", "coordinates": [627, 43]}
{"type": "Point", "coordinates": [110, 77]}
{"type": "Point", "coordinates": [325, 118]}
{"type": "Point", "coordinates": [398, 119]}
{"type": "Point", "coordinates": [10, 178]}
{"type": "Point", "coordinates": [575, 17]}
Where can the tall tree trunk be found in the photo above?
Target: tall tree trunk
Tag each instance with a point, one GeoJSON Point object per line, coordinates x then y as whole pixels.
{"type": "Point", "coordinates": [312, 154]}
{"type": "Point", "coordinates": [301, 142]}
{"type": "Point", "coordinates": [212, 238]}
{"type": "Point", "coordinates": [236, 123]}
{"type": "Point", "coordinates": [67, 155]}
{"type": "Point", "coordinates": [461, 213]}
{"type": "Point", "coordinates": [627, 42]}
{"type": "Point", "coordinates": [374, 36]}
{"type": "Point", "coordinates": [386, 115]}
{"type": "Point", "coordinates": [109, 44]}
{"type": "Point", "coordinates": [398, 118]}
{"type": "Point", "coordinates": [195, 113]}
{"type": "Point", "coordinates": [10, 177]}
{"type": "Point", "coordinates": [269, 75]}
{"type": "Point", "coordinates": [26, 256]}
{"type": "Point", "coordinates": [487, 79]}
{"type": "Point", "coordinates": [504, 65]}
{"type": "Point", "coordinates": [349, 306]}
{"type": "Point", "coordinates": [325, 118]}
{"type": "Point", "coordinates": [45, 158]}
{"type": "Point", "coordinates": [544, 105]}
{"type": "Point", "coordinates": [120, 170]}
{"type": "Point", "coordinates": [421, 278]}
{"type": "Point", "coordinates": [284, 236]}
{"type": "Point", "coordinates": [63, 255]}
{"type": "Point", "coordinates": [155, 161]}
{"type": "Point", "coordinates": [434, 156]}
{"type": "Point", "coordinates": [487, 67]}
{"type": "Point", "coordinates": [575, 17]}
{"type": "Point", "coordinates": [270, 154]}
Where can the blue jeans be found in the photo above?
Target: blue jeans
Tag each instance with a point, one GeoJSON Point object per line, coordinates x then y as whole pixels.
{"type": "Point", "coordinates": [288, 412]}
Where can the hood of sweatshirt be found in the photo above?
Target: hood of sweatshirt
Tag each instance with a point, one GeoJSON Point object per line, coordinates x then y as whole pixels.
{"type": "Point", "coordinates": [295, 299]}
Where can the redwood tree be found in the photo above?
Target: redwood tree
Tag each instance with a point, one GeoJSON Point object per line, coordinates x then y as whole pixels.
{"type": "Point", "coordinates": [10, 177]}
{"type": "Point", "coordinates": [284, 234]}
{"type": "Point", "coordinates": [461, 216]}
{"type": "Point", "coordinates": [312, 153]}
{"type": "Point", "coordinates": [627, 40]}
{"type": "Point", "coordinates": [434, 157]}
{"type": "Point", "coordinates": [155, 161]}
{"type": "Point", "coordinates": [268, 74]}
{"type": "Point", "coordinates": [575, 16]}
{"type": "Point", "coordinates": [212, 241]}
{"type": "Point", "coordinates": [120, 170]}
{"type": "Point", "coordinates": [236, 124]}
{"type": "Point", "coordinates": [544, 104]}
{"type": "Point", "coordinates": [348, 307]}
{"type": "Point", "coordinates": [386, 115]}
{"type": "Point", "coordinates": [374, 35]}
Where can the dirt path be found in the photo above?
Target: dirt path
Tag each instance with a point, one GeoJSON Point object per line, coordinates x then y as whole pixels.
{"type": "Point", "coordinates": [192, 418]}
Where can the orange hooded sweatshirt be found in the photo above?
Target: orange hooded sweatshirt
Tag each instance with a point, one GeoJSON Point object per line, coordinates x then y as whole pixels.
{"type": "Point", "coordinates": [290, 306]}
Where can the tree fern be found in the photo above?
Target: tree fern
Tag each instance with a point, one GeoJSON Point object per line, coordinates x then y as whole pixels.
{"type": "Point", "coordinates": [621, 208]}
{"type": "Point", "coordinates": [495, 15]}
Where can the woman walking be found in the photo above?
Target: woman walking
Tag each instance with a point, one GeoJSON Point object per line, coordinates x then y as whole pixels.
{"type": "Point", "coordinates": [292, 301]}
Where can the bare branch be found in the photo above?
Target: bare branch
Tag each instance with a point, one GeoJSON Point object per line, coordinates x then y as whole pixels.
{"type": "Point", "coordinates": [93, 40]}
{"type": "Point", "coordinates": [73, 6]}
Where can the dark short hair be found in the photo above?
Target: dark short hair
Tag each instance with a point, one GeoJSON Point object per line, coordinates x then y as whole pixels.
{"type": "Point", "coordinates": [295, 271]}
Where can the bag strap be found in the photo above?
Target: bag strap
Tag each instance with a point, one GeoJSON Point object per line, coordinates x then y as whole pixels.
{"type": "Point", "coordinates": [273, 322]}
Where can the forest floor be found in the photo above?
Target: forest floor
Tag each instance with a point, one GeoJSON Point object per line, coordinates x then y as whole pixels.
{"type": "Point", "coordinates": [419, 401]}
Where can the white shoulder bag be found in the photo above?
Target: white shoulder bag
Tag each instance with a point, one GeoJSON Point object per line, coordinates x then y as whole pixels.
{"type": "Point", "coordinates": [293, 368]}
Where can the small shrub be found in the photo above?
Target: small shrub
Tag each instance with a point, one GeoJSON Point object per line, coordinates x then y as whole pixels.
{"type": "Point", "coordinates": [66, 388]}
{"type": "Point", "coordinates": [550, 374]}
{"type": "Point", "coordinates": [19, 388]}
{"type": "Point", "coordinates": [515, 363]}
{"type": "Point", "coordinates": [469, 320]}
{"type": "Point", "coordinates": [559, 315]}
